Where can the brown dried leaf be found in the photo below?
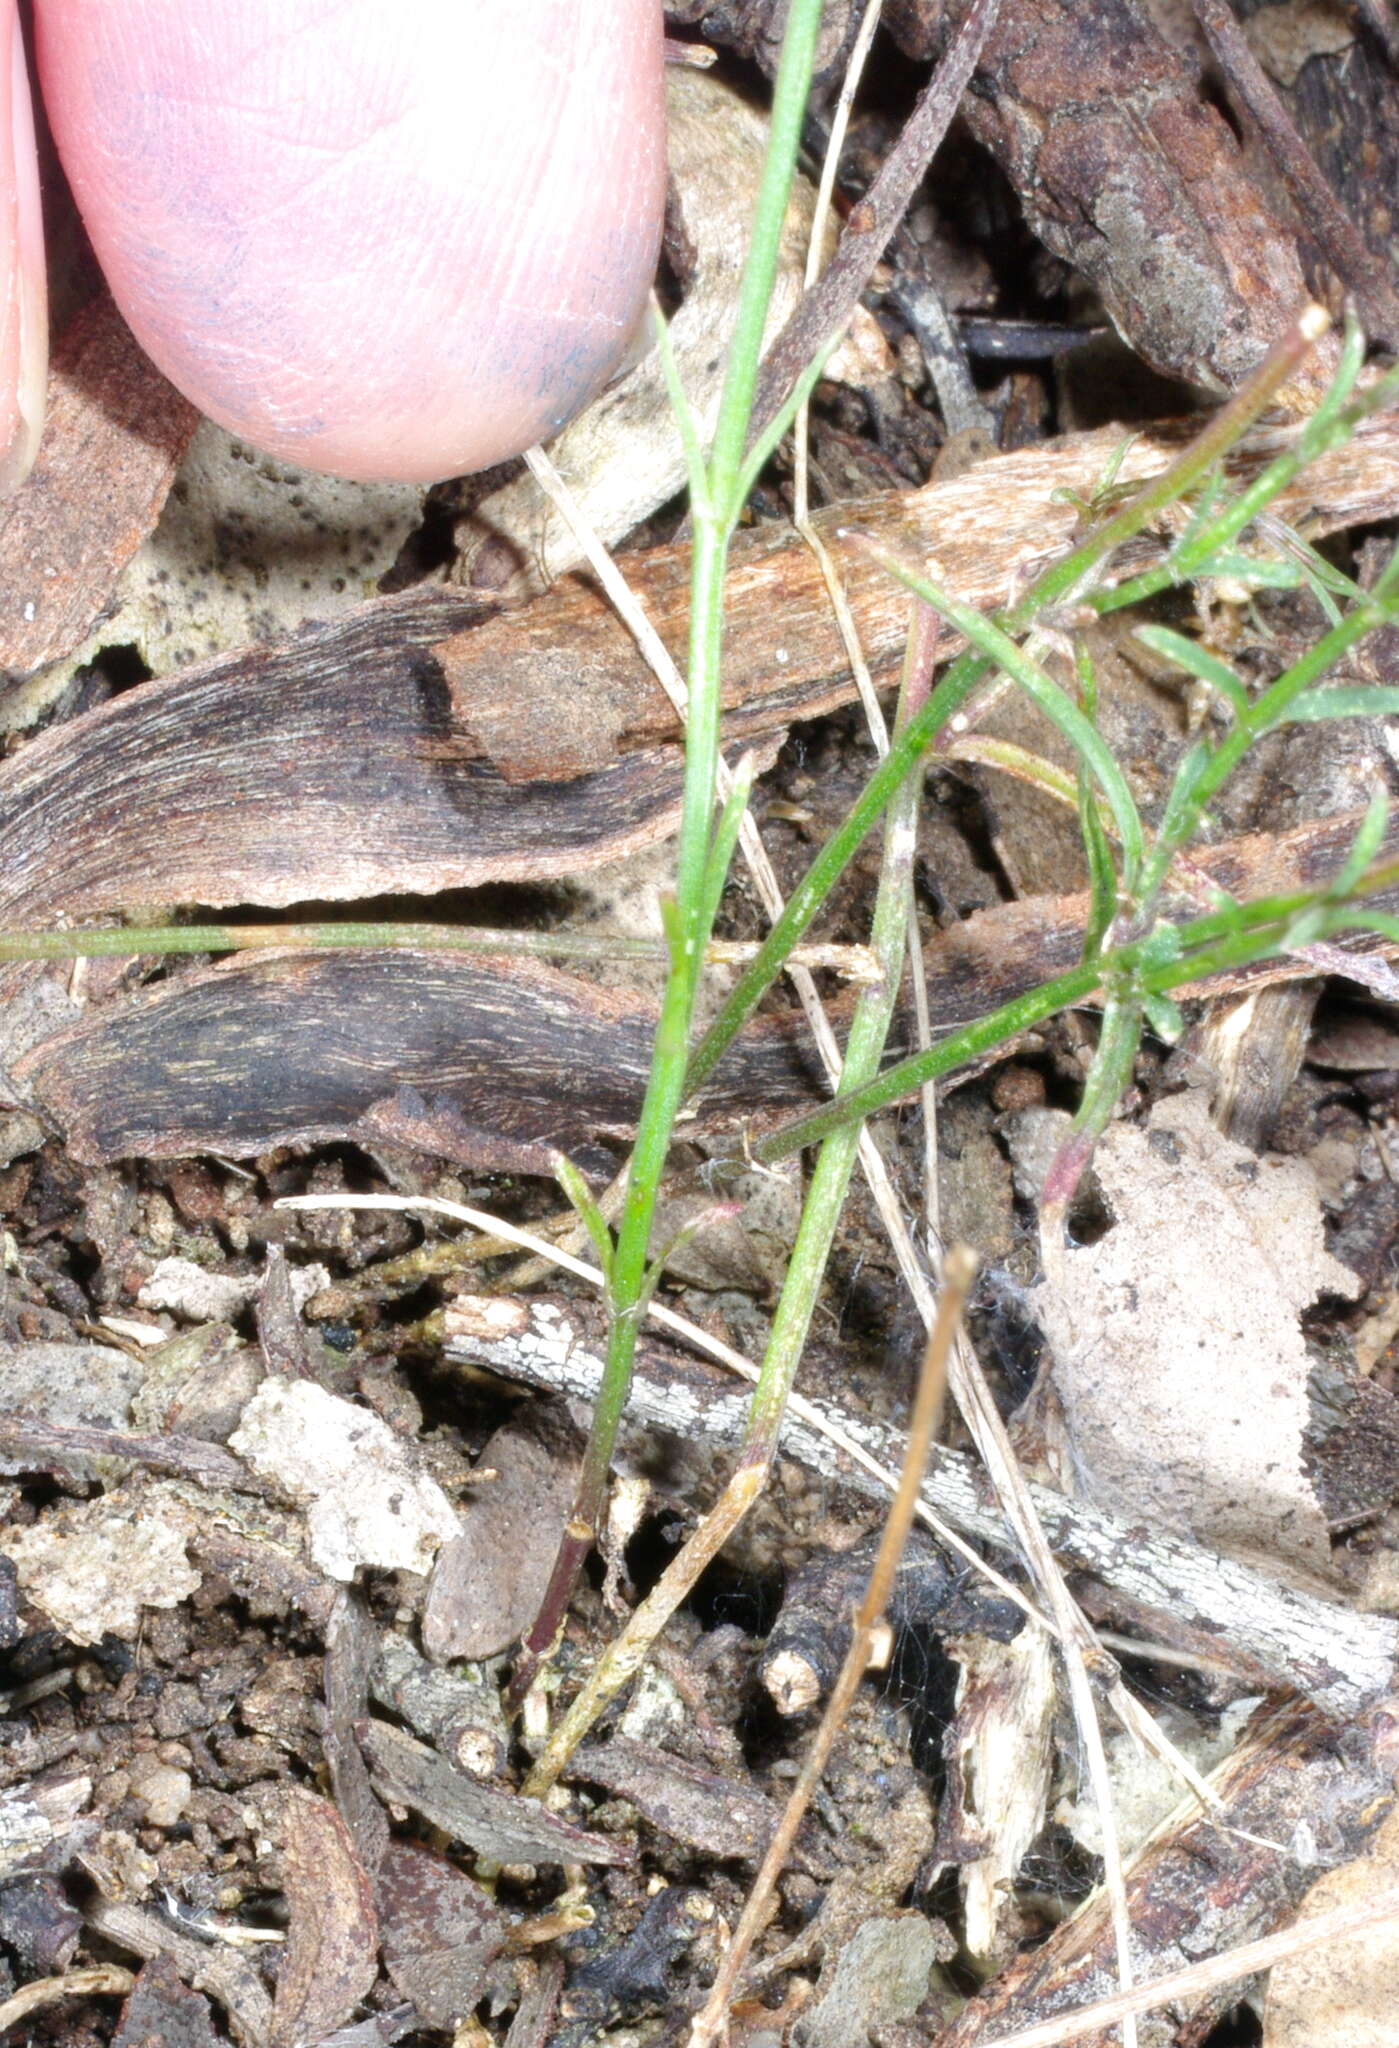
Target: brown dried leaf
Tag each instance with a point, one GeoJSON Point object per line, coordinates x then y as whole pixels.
{"type": "Point", "coordinates": [1345, 1995]}
{"type": "Point", "coordinates": [441, 1933]}
{"type": "Point", "coordinates": [1177, 1351]}
{"type": "Point", "coordinates": [272, 1049]}
{"type": "Point", "coordinates": [489, 1579]}
{"type": "Point", "coordinates": [162, 2012]}
{"type": "Point", "coordinates": [282, 1048]}
{"type": "Point", "coordinates": [331, 1957]}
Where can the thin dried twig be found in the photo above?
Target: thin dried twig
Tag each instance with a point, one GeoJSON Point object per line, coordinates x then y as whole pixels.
{"type": "Point", "coordinates": [1270, 1635]}
{"type": "Point", "coordinates": [35, 1443]}
{"type": "Point", "coordinates": [959, 1272]}
{"type": "Point", "coordinates": [105, 1980]}
{"type": "Point", "coordinates": [825, 309]}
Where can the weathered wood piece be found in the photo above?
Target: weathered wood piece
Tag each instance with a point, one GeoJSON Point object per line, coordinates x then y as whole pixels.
{"type": "Point", "coordinates": [1363, 274]}
{"type": "Point", "coordinates": [399, 752]}
{"type": "Point", "coordinates": [285, 1047]}
{"type": "Point", "coordinates": [1203, 1882]}
{"type": "Point", "coordinates": [113, 439]}
{"type": "Point", "coordinates": [1129, 174]}
{"type": "Point", "coordinates": [1190, 1597]}
{"type": "Point", "coordinates": [513, 1057]}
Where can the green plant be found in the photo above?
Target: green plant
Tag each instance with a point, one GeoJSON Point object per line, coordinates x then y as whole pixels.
{"type": "Point", "coordinates": [1137, 948]}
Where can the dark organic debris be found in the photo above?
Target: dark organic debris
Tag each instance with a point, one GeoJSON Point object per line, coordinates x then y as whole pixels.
{"type": "Point", "coordinates": [709, 1810]}
{"type": "Point", "coordinates": [931, 1592]}
{"type": "Point", "coordinates": [162, 2009]}
{"type": "Point", "coordinates": [441, 1933]}
{"type": "Point", "coordinates": [494, 1823]}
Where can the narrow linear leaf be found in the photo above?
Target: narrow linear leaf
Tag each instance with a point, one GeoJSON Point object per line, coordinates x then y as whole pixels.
{"type": "Point", "coordinates": [1196, 660]}
{"type": "Point", "coordinates": [1360, 701]}
{"type": "Point", "coordinates": [580, 1198]}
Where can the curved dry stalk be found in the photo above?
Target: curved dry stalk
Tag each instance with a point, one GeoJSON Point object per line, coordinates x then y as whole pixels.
{"type": "Point", "coordinates": [959, 1272]}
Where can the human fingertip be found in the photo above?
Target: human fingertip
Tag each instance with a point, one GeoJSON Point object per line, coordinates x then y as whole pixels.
{"type": "Point", "coordinates": [387, 244]}
{"type": "Point", "coordinates": [24, 336]}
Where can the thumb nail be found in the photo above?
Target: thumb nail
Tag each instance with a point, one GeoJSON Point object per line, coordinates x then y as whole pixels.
{"type": "Point", "coordinates": [24, 335]}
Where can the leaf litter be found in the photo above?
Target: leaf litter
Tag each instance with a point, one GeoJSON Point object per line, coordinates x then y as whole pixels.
{"type": "Point", "coordinates": [1178, 1355]}
{"type": "Point", "coordinates": [183, 1619]}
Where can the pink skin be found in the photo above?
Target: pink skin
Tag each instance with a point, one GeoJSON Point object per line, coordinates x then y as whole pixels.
{"type": "Point", "coordinates": [23, 297]}
{"type": "Point", "coordinates": [386, 241]}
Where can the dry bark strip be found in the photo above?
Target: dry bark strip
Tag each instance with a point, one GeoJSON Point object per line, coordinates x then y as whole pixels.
{"type": "Point", "coordinates": [516, 1057]}
{"type": "Point", "coordinates": [1360, 271]}
{"type": "Point", "coordinates": [495, 1823]}
{"type": "Point", "coordinates": [1189, 1597]}
{"type": "Point", "coordinates": [305, 1047]}
{"type": "Point", "coordinates": [398, 752]}
{"type": "Point", "coordinates": [1206, 1883]}
{"type": "Point", "coordinates": [113, 439]}
{"type": "Point", "coordinates": [1127, 173]}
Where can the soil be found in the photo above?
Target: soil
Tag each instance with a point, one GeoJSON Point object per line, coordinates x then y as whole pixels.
{"type": "Point", "coordinates": [190, 1802]}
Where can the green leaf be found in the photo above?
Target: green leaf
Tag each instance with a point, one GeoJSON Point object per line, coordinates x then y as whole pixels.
{"type": "Point", "coordinates": [592, 1218]}
{"type": "Point", "coordinates": [1366, 844]}
{"type": "Point", "coordinates": [1345, 701]}
{"type": "Point", "coordinates": [1102, 876]}
{"type": "Point", "coordinates": [1164, 1018]}
{"type": "Point", "coordinates": [1258, 574]}
{"type": "Point", "coordinates": [721, 847]}
{"type": "Point", "coordinates": [1181, 815]}
{"type": "Point", "coordinates": [1196, 660]}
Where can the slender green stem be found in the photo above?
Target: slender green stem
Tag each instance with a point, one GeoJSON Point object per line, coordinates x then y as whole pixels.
{"type": "Point", "coordinates": [716, 510]}
{"type": "Point", "coordinates": [1061, 580]}
{"type": "Point", "coordinates": [869, 1032]}
{"type": "Point", "coordinates": [726, 465]}
{"type": "Point", "coordinates": [801, 1287]}
{"type": "Point", "coordinates": [102, 942]}
{"type": "Point", "coordinates": [1119, 1036]}
{"type": "Point", "coordinates": [1235, 937]}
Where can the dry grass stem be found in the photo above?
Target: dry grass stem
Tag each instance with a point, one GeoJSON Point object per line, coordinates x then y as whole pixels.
{"type": "Point", "coordinates": [712, 2021]}
{"type": "Point", "coordinates": [698, 1339]}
